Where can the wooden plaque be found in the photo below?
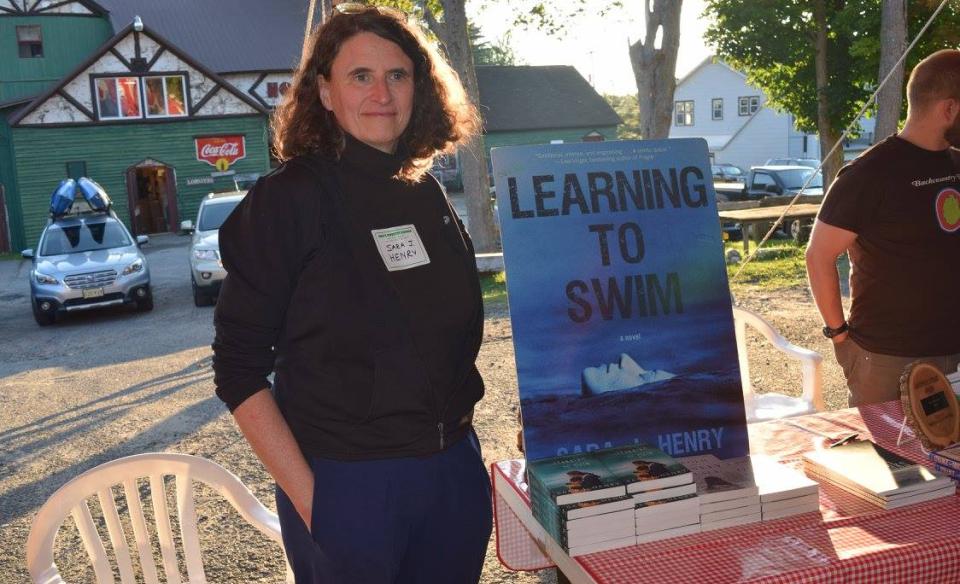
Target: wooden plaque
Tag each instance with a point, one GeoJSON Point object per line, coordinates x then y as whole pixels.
{"type": "Point", "coordinates": [930, 405]}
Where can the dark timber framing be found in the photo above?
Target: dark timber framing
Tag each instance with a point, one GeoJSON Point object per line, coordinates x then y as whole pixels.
{"type": "Point", "coordinates": [164, 45]}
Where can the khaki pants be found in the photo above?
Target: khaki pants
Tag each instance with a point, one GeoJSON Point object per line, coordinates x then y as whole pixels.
{"type": "Point", "coordinates": [874, 378]}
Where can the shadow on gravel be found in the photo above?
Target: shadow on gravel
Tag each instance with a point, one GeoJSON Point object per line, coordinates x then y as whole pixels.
{"type": "Point", "coordinates": [28, 497]}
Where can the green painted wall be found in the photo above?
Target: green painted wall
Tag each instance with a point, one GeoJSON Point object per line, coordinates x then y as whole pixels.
{"type": "Point", "coordinates": [8, 178]}
{"type": "Point", "coordinates": [42, 155]}
{"type": "Point", "coordinates": [67, 42]}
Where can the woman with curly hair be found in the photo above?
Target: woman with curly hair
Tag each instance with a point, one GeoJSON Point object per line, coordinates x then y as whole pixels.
{"type": "Point", "coordinates": [352, 279]}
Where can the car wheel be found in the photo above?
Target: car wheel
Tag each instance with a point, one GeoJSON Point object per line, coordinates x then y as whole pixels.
{"type": "Point", "coordinates": [201, 298]}
{"type": "Point", "coordinates": [145, 305]}
{"type": "Point", "coordinates": [44, 318]}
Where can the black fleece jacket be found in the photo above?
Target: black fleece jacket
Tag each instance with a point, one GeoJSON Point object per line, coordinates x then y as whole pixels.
{"type": "Point", "coordinates": [369, 363]}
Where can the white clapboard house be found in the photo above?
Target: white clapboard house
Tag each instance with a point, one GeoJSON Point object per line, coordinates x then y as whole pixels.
{"type": "Point", "coordinates": [715, 102]}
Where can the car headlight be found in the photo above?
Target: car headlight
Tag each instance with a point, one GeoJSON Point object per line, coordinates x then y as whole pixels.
{"type": "Point", "coordinates": [136, 266]}
{"type": "Point", "coordinates": [206, 254]}
{"type": "Point", "coordinates": [45, 279]}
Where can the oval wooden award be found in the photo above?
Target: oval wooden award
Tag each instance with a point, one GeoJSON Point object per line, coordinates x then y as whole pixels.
{"type": "Point", "coordinates": [929, 405]}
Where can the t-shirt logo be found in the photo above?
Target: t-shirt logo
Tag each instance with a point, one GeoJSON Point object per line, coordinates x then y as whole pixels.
{"type": "Point", "coordinates": [948, 210]}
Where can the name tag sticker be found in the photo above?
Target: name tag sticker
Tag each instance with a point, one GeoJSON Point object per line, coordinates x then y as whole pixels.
{"type": "Point", "coordinates": [400, 247]}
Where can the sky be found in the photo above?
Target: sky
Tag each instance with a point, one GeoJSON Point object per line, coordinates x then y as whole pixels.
{"type": "Point", "coordinates": [596, 45]}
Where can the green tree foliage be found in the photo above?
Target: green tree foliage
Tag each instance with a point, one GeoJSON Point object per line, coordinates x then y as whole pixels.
{"type": "Point", "coordinates": [629, 111]}
{"type": "Point", "coordinates": [772, 41]}
{"type": "Point", "coordinates": [487, 53]}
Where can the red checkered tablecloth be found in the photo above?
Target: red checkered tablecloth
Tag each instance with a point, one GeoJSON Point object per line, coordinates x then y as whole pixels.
{"type": "Point", "coordinates": [849, 541]}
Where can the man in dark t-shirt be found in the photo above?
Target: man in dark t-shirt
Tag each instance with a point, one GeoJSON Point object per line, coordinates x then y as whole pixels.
{"type": "Point", "coordinates": [896, 211]}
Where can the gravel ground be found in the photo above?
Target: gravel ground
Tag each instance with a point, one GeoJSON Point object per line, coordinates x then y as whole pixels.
{"type": "Point", "coordinates": [104, 385]}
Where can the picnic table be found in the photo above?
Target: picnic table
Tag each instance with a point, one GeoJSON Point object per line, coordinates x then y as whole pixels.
{"type": "Point", "coordinates": [749, 218]}
{"type": "Point", "coordinates": [849, 540]}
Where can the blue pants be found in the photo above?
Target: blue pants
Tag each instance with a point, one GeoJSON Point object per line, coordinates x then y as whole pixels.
{"type": "Point", "coordinates": [393, 521]}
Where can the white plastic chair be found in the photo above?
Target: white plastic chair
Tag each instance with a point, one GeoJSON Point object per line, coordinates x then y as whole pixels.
{"type": "Point", "coordinates": [770, 406]}
{"type": "Point", "coordinates": [71, 499]}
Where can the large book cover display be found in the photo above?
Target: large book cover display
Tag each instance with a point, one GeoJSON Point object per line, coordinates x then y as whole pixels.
{"type": "Point", "coordinates": [618, 295]}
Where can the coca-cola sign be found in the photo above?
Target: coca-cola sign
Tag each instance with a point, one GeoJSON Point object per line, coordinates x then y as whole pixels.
{"type": "Point", "coordinates": [220, 151]}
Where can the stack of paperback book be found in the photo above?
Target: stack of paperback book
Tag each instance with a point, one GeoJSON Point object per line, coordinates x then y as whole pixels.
{"type": "Point", "coordinates": [606, 499]}
{"type": "Point", "coordinates": [877, 475]}
{"type": "Point", "coordinates": [727, 491]}
{"type": "Point", "coordinates": [663, 492]}
{"type": "Point", "coordinates": [784, 491]}
{"type": "Point", "coordinates": [947, 461]}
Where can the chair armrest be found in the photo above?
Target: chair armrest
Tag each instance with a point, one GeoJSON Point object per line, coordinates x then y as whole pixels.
{"type": "Point", "coordinates": [810, 361]}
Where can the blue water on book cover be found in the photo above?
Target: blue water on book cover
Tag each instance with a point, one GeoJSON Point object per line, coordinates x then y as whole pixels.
{"type": "Point", "coordinates": [618, 295]}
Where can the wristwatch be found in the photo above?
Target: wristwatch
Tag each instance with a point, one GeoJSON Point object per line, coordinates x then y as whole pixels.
{"type": "Point", "coordinates": [832, 332]}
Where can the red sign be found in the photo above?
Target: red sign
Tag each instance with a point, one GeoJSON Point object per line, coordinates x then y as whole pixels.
{"type": "Point", "coordinates": [220, 151]}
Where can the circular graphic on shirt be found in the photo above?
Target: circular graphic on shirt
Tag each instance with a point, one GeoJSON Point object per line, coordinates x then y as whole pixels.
{"type": "Point", "coordinates": [948, 210]}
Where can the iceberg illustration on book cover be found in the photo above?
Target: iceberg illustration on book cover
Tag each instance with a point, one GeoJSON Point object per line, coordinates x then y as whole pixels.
{"type": "Point", "coordinates": [618, 294]}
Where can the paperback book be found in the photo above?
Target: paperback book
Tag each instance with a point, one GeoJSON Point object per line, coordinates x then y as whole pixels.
{"type": "Point", "coordinates": [732, 522]}
{"type": "Point", "coordinates": [572, 479]}
{"type": "Point", "coordinates": [722, 480]}
{"type": "Point", "coordinates": [666, 493]}
{"type": "Point", "coordinates": [948, 457]}
{"type": "Point", "coordinates": [668, 533]}
{"type": "Point", "coordinates": [776, 481]}
{"type": "Point", "coordinates": [865, 467]}
{"type": "Point", "coordinates": [718, 516]}
{"type": "Point", "coordinates": [641, 467]}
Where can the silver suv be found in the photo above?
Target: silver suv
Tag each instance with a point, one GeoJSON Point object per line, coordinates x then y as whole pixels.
{"type": "Point", "coordinates": [87, 261]}
{"type": "Point", "coordinates": [206, 269]}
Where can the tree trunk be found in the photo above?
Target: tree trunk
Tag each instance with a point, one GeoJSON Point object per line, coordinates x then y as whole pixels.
{"type": "Point", "coordinates": [453, 35]}
{"type": "Point", "coordinates": [655, 68]}
{"type": "Point", "coordinates": [893, 41]}
{"type": "Point", "coordinates": [828, 134]}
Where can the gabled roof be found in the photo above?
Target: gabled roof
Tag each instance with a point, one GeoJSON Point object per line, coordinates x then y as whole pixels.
{"type": "Point", "coordinates": [109, 46]}
{"type": "Point", "coordinates": [30, 7]}
{"type": "Point", "coordinates": [227, 36]}
{"type": "Point", "coordinates": [709, 60]}
{"type": "Point", "coordinates": [516, 98]}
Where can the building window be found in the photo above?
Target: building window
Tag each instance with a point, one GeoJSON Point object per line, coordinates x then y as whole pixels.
{"type": "Point", "coordinates": [76, 169]}
{"type": "Point", "coordinates": [716, 107]}
{"type": "Point", "coordinates": [29, 41]}
{"type": "Point", "coordinates": [165, 96]}
{"type": "Point", "coordinates": [748, 105]}
{"type": "Point", "coordinates": [684, 113]}
{"type": "Point", "coordinates": [118, 97]}
{"type": "Point", "coordinates": [276, 89]}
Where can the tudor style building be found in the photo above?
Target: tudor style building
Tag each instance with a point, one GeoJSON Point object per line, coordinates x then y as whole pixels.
{"type": "Point", "coordinates": [163, 102]}
{"type": "Point", "coordinates": [147, 119]}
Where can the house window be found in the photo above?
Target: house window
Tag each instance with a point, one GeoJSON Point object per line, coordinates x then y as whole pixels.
{"type": "Point", "coordinates": [748, 105]}
{"type": "Point", "coordinates": [165, 96]}
{"type": "Point", "coordinates": [277, 89]}
{"type": "Point", "coordinates": [684, 113]}
{"type": "Point", "coordinates": [29, 42]}
{"type": "Point", "coordinates": [118, 97]}
{"type": "Point", "coordinates": [716, 107]}
{"type": "Point", "coordinates": [76, 169]}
